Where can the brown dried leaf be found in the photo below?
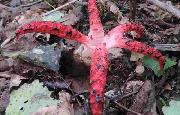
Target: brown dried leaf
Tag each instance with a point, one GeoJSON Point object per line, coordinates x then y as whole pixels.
{"type": "Point", "coordinates": [173, 31]}
{"type": "Point", "coordinates": [73, 16]}
{"type": "Point", "coordinates": [64, 107]}
{"type": "Point", "coordinates": [136, 56]}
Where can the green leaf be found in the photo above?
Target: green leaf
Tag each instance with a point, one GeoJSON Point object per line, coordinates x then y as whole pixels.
{"type": "Point", "coordinates": [28, 98]}
{"type": "Point", "coordinates": [55, 16]}
{"type": "Point", "coordinates": [172, 109]}
{"type": "Point", "coordinates": [169, 63]}
{"type": "Point", "coordinates": [154, 65]}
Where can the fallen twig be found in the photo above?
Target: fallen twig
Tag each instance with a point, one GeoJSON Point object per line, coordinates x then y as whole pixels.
{"type": "Point", "coordinates": [81, 3]}
{"type": "Point", "coordinates": [49, 4]}
{"type": "Point", "coordinates": [167, 7]}
{"type": "Point", "coordinates": [58, 8]}
{"type": "Point", "coordinates": [6, 41]}
{"type": "Point", "coordinates": [125, 108]}
{"type": "Point", "coordinates": [167, 47]}
{"type": "Point", "coordinates": [112, 7]}
{"type": "Point", "coordinates": [21, 6]}
{"type": "Point", "coordinates": [3, 6]}
{"type": "Point", "coordinates": [120, 97]}
{"type": "Point", "coordinates": [144, 100]}
{"type": "Point", "coordinates": [31, 4]}
{"type": "Point", "coordinates": [133, 5]}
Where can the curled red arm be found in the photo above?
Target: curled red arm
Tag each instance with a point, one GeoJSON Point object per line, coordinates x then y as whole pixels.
{"type": "Point", "coordinates": [123, 28]}
{"type": "Point", "coordinates": [139, 47]}
{"type": "Point", "coordinates": [135, 46]}
{"type": "Point", "coordinates": [54, 28]}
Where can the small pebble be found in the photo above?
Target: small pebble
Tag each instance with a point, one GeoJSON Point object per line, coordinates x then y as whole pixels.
{"type": "Point", "coordinates": [139, 69]}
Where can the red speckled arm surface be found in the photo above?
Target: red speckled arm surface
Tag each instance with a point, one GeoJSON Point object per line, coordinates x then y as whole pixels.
{"type": "Point", "coordinates": [94, 19]}
{"type": "Point", "coordinates": [54, 28]}
{"type": "Point", "coordinates": [135, 46]}
{"type": "Point", "coordinates": [99, 69]}
{"type": "Point", "coordinates": [123, 28]}
{"type": "Point", "coordinates": [146, 50]}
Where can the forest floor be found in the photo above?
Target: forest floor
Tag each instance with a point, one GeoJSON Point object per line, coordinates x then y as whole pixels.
{"type": "Point", "coordinates": [39, 60]}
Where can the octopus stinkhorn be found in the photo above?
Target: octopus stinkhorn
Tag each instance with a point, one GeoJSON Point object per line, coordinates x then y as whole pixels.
{"type": "Point", "coordinates": [99, 42]}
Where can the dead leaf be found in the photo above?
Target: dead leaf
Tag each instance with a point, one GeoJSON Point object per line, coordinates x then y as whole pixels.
{"type": "Point", "coordinates": [15, 79]}
{"type": "Point", "coordinates": [51, 110]}
{"type": "Point", "coordinates": [70, 18]}
{"type": "Point", "coordinates": [28, 16]}
{"type": "Point", "coordinates": [168, 87]}
{"type": "Point", "coordinates": [173, 31]}
{"type": "Point", "coordinates": [136, 56]}
{"type": "Point", "coordinates": [4, 94]}
{"type": "Point", "coordinates": [6, 64]}
{"type": "Point", "coordinates": [73, 16]}
{"type": "Point", "coordinates": [115, 53]}
{"type": "Point", "coordinates": [64, 107]}
{"type": "Point", "coordinates": [132, 86]}
{"type": "Point", "coordinates": [84, 54]}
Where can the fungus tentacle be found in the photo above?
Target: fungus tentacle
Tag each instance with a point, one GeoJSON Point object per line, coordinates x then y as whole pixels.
{"type": "Point", "coordinates": [99, 69]}
{"type": "Point", "coordinates": [142, 48]}
{"type": "Point", "coordinates": [135, 46]}
{"type": "Point", "coordinates": [96, 28]}
{"type": "Point", "coordinates": [123, 28]}
{"type": "Point", "coordinates": [54, 28]}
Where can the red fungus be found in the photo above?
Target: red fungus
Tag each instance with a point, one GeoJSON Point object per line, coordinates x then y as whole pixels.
{"type": "Point", "coordinates": [99, 43]}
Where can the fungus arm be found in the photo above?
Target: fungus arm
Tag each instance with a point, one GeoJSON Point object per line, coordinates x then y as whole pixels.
{"type": "Point", "coordinates": [54, 28]}
{"type": "Point", "coordinates": [96, 28]}
{"type": "Point", "coordinates": [142, 48]}
{"type": "Point", "coordinates": [135, 46]}
{"type": "Point", "coordinates": [99, 69]}
{"type": "Point", "coordinates": [123, 28]}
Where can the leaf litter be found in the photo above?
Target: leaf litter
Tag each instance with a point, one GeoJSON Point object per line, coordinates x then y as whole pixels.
{"type": "Point", "coordinates": [121, 72]}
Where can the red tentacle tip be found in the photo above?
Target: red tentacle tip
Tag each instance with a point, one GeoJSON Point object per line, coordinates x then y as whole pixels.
{"type": "Point", "coordinates": [18, 33]}
{"type": "Point", "coordinates": [139, 30]}
{"type": "Point", "coordinates": [162, 61]}
{"type": "Point", "coordinates": [140, 33]}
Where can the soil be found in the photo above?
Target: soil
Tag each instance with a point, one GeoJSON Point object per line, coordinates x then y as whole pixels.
{"type": "Point", "coordinates": [129, 88]}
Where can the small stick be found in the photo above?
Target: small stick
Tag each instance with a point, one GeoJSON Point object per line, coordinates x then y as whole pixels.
{"type": "Point", "coordinates": [58, 8]}
{"type": "Point", "coordinates": [167, 47]}
{"type": "Point", "coordinates": [71, 91]}
{"type": "Point", "coordinates": [81, 3]}
{"type": "Point", "coordinates": [116, 11]}
{"type": "Point", "coordinates": [125, 108]}
{"type": "Point", "coordinates": [31, 4]}
{"type": "Point", "coordinates": [6, 42]}
{"type": "Point", "coordinates": [120, 97]}
{"type": "Point", "coordinates": [3, 6]}
{"type": "Point", "coordinates": [133, 5]}
{"type": "Point", "coordinates": [49, 4]}
{"type": "Point", "coordinates": [167, 6]}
